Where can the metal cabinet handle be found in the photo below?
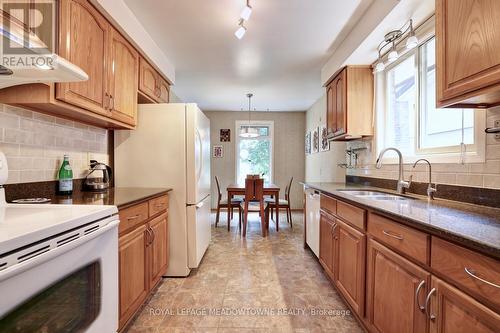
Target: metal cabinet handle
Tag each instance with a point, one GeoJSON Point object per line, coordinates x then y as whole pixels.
{"type": "Point", "coordinates": [417, 294]}
{"type": "Point", "coordinates": [472, 273]}
{"type": "Point", "coordinates": [112, 106]}
{"type": "Point", "coordinates": [398, 237]}
{"type": "Point", "coordinates": [332, 228]}
{"type": "Point", "coordinates": [130, 218]}
{"type": "Point", "coordinates": [159, 205]}
{"type": "Point", "coordinates": [106, 101]}
{"type": "Point", "coordinates": [152, 234]}
{"type": "Point", "coordinates": [427, 300]}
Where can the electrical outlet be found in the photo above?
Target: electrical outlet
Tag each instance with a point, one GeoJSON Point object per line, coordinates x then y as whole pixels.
{"type": "Point", "coordinates": [497, 124]}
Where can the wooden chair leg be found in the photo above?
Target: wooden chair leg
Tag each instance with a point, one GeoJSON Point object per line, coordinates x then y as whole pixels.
{"type": "Point", "coordinates": [239, 217]}
{"type": "Point", "coordinates": [290, 214]}
{"type": "Point", "coordinates": [232, 211]}
{"type": "Point", "coordinates": [277, 219]}
{"type": "Point", "coordinates": [262, 220]}
{"type": "Point", "coordinates": [228, 219]}
{"type": "Point", "coordinates": [217, 216]}
{"type": "Point", "coordinates": [245, 219]}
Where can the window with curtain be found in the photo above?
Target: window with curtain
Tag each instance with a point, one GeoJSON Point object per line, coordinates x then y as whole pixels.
{"type": "Point", "coordinates": [254, 155]}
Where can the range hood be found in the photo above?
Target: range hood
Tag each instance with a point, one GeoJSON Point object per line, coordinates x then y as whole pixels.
{"type": "Point", "coordinates": [31, 62]}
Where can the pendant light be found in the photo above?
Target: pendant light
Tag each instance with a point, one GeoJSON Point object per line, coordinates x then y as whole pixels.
{"type": "Point", "coordinates": [241, 30]}
{"type": "Point", "coordinates": [246, 12]}
{"type": "Point", "coordinates": [249, 131]}
{"type": "Point", "coordinates": [412, 40]}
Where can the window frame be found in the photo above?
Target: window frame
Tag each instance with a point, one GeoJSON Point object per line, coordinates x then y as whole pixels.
{"type": "Point", "coordinates": [474, 153]}
{"type": "Point", "coordinates": [270, 124]}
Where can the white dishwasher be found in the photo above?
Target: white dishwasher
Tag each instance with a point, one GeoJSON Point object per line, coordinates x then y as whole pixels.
{"type": "Point", "coordinates": [312, 220]}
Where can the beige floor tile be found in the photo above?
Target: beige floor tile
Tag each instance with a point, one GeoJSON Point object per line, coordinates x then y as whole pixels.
{"type": "Point", "coordinates": [249, 285]}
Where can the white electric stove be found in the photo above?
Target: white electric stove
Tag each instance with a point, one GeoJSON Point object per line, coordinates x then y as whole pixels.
{"type": "Point", "coordinates": [58, 266]}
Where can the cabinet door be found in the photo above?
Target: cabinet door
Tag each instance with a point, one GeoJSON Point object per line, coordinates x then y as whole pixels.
{"type": "Point", "coordinates": [453, 311]}
{"type": "Point", "coordinates": [351, 266]}
{"type": "Point", "coordinates": [123, 79]}
{"type": "Point", "coordinates": [326, 245]}
{"type": "Point", "coordinates": [148, 84]}
{"type": "Point", "coordinates": [467, 46]}
{"type": "Point", "coordinates": [132, 268]}
{"type": "Point", "coordinates": [163, 90]}
{"type": "Point", "coordinates": [158, 250]}
{"type": "Point", "coordinates": [84, 41]}
{"type": "Point", "coordinates": [331, 117]}
{"type": "Point", "coordinates": [341, 104]}
{"type": "Point", "coordinates": [396, 290]}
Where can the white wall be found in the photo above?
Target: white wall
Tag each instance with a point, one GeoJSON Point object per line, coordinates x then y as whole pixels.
{"type": "Point", "coordinates": [288, 159]}
{"type": "Point", "coordinates": [322, 166]}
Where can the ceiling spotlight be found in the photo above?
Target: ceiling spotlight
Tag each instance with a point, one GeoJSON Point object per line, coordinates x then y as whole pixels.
{"type": "Point", "coordinates": [379, 67]}
{"type": "Point", "coordinates": [246, 12]}
{"type": "Point", "coordinates": [412, 40]}
{"type": "Point", "coordinates": [393, 55]}
{"type": "Point", "coordinates": [241, 30]}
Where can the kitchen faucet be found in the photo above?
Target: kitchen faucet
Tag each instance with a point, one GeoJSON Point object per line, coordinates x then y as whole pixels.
{"type": "Point", "coordinates": [430, 190]}
{"type": "Point", "coordinates": [402, 184]}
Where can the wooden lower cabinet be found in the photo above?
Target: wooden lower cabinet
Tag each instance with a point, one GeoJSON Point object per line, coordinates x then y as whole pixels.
{"type": "Point", "coordinates": [395, 292]}
{"type": "Point", "coordinates": [134, 285]}
{"type": "Point", "coordinates": [158, 249]}
{"type": "Point", "coordinates": [327, 244]}
{"type": "Point", "coordinates": [351, 266]}
{"type": "Point", "coordinates": [143, 255]}
{"type": "Point", "coordinates": [455, 312]}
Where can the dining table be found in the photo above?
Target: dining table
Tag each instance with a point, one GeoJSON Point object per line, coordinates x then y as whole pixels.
{"type": "Point", "coordinates": [269, 189]}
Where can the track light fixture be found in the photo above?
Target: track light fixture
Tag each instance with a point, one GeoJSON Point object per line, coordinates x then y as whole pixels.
{"type": "Point", "coordinates": [244, 16]}
{"type": "Point", "coordinates": [391, 39]}
{"type": "Point", "coordinates": [241, 30]}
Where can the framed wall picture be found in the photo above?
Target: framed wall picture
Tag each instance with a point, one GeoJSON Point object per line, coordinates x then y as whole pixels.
{"type": "Point", "coordinates": [308, 143]}
{"type": "Point", "coordinates": [225, 135]}
{"type": "Point", "coordinates": [315, 140]}
{"type": "Point", "coordinates": [218, 151]}
{"type": "Point", "coordinates": [324, 144]}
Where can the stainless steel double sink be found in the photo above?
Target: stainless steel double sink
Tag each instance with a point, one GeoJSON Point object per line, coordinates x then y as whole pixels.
{"type": "Point", "coordinates": [376, 195]}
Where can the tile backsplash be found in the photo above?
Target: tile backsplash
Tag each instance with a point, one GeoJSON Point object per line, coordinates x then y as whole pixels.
{"type": "Point", "coordinates": [35, 143]}
{"type": "Point", "coordinates": [485, 174]}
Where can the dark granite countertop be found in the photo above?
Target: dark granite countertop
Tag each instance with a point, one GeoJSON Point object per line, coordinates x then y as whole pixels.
{"type": "Point", "coordinates": [118, 196]}
{"type": "Point", "coordinates": [474, 226]}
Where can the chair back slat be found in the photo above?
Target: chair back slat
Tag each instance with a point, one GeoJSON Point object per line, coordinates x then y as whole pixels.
{"type": "Point", "coordinates": [287, 189]}
{"type": "Point", "coordinates": [218, 186]}
{"type": "Point", "coordinates": [254, 189]}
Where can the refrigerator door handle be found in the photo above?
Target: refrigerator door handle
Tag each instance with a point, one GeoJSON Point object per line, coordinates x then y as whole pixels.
{"type": "Point", "coordinates": [198, 204]}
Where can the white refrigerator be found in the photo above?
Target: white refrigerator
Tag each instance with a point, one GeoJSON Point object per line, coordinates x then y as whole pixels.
{"type": "Point", "coordinates": [171, 148]}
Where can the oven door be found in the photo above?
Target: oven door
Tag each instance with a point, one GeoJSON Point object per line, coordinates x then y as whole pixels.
{"type": "Point", "coordinates": [71, 288]}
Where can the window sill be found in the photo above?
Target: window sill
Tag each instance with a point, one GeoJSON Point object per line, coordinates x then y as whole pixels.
{"type": "Point", "coordinates": [449, 158]}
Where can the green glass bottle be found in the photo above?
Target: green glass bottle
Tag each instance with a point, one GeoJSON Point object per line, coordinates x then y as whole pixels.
{"type": "Point", "coordinates": [65, 177]}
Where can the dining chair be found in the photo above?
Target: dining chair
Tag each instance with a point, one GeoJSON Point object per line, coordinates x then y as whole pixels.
{"type": "Point", "coordinates": [254, 202]}
{"type": "Point", "coordinates": [282, 203]}
{"type": "Point", "coordinates": [235, 203]}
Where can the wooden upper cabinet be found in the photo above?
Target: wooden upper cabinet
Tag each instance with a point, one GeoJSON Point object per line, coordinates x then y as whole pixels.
{"type": "Point", "coordinates": [152, 85]}
{"type": "Point", "coordinates": [468, 53]}
{"type": "Point", "coordinates": [350, 103]}
{"type": "Point", "coordinates": [148, 80]}
{"type": "Point", "coordinates": [163, 90]}
{"type": "Point", "coordinates": [395, 292]}
{"type": "Point", "coordinates": [123, 79]}
{"type": "Point", "coordinates": [351, 266]}
{"type": "Point", "coordinates": [83, 40]}
{"type": "Point", "coordinates": [453, 311]}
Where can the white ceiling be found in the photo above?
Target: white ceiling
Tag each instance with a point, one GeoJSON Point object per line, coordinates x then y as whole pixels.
{"type": "Point", "coordinates": [279, 59]}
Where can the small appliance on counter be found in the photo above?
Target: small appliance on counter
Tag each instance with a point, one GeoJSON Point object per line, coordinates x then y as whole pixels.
{"type": "Point", "coordinates": [97, 183]}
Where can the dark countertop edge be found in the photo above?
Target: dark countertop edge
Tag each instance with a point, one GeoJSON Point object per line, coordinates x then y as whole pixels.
{"type": "Point", "coordinates": [144, 198]}
{"type": "Point", "coordinates": [408, 221]}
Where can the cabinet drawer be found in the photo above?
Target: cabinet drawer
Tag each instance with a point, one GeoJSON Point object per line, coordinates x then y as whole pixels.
{"type": "Point", "coordinates": [133, 216]}
{"type": "Point", "coordinates": [475, 272]}
{"type": "Point", "coordinates": [328, 204]}
{"type": "Point", "coordinates": [411, 242]}
{"type": "Point", "coordinates": [351, 214]}
{"type": "Point", "coordinates": [157, 205]}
